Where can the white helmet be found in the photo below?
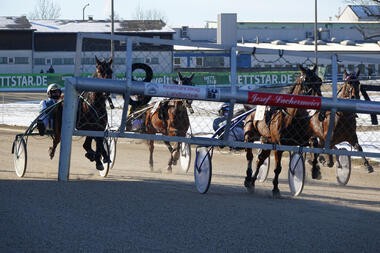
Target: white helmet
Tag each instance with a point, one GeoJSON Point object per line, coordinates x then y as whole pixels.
{"type": "Point", "coordinates": [54, 87]}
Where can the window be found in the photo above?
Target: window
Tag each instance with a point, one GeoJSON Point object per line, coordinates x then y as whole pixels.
{"type": "Point", "coordinates": [371, 69]}
{"type": "Point", "coordinates": [48, 61]}
{"type": "Point", "coordinates": [138, 60]}
{"type": "Point", "coordinates": [68, 61]}
{"type": "Point", "coordinates": [21, 60]}
{"type": "Point", "coordinates": [57, 61]}
{"type": "Point", "coordinates": [119, 61]}
{"type": "Point", "coordinates": [199, 61]}
{"type": "Point", "coordinates": [341, 68]}
{"type": "Point", "coordinates": [177, 60]}
{"type": "Point", "coordinates": [351, 68]}
{"type": "Point", "coordinates": [3, 60]}
{"type": "Point", "coordinates": [39, 61]}
{"type": "Point", "coordinates": [88, 61]}
{"type": "Point", "coordinates": [11, 60]}
{"type": "Point", "coordinates": [361, 67]}
{"type": "Point", "coordinates": [214, 61]}
{"type": "Point", "coordinates": [154, 60]}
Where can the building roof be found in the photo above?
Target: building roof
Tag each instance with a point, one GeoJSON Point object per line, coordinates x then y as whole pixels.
{"type": "Point", "coordinates": [74, 26]}
{"type": "Point", "coordinates": [328, 47]}
{"type": "Point", "coordinates": [366, 12]}
{"type": "Point", "coordinates": [14, 23]}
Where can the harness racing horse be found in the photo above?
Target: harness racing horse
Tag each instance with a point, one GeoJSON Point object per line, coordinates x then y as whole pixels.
{"type": "Point", "coordinates": [169, 117]}
{"type": "Point", "coordinates": [345, 122]}
{"type": "Point", "coordinates": [92, 115]}
{"type": "Point", "coordinates": [283, 126]}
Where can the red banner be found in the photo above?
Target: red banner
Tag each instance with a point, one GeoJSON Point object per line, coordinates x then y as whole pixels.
{"type": "Point", "coordinates": [284, 100]}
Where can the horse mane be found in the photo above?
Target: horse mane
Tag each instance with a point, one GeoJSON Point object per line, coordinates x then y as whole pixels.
{"type": "Point", "coordinates": [296, 82]}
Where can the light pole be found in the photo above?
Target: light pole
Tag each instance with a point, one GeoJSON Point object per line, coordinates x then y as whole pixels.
{"type": "Point", "coordinates": [316, 35]}
{"type": "Point", "coordinates": [112, 31]}
{"type": "Point", "coordinates": [84, 9]}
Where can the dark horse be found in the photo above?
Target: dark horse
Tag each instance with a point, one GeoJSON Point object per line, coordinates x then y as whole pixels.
{"type": "Point", "coordinates": [169, 117]}
{"type": "Point", "coordinates": [283, 126]}
{"type": "Point", "coordinates": [345, 122]}
{"type": "Point", "coordinates": [57, 111]}
{"type": "Point", "coordinates": [92, 115]}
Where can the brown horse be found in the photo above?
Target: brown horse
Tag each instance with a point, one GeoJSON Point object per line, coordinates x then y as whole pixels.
{"type": "Point", "coordinates": [169, 117]}
{"type": "Point", "coordinates": [92, 115]}
{"type": "Point", "coordinates": [57, 124]}
{"type": "Point", "coordinates": [283, 126]}
{"type": "Point", "coordinates": [345, 122]}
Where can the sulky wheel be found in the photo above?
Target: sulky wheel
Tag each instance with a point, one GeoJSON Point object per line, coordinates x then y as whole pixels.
{"type": "Point", "coordinates": [264, 170]}
{"type": "Point", "coordinates": [343, 168]}
{"type": "Point", "coordinates": [185, 156]}
{"type": "Point", "coordinates": [20, 156]}
{"type": "Point", "coordinates": [296, 173]}
{"type": "Point", "coordinates": [202, 169]}
{"type": "Point", "coordinates": [110, 148]}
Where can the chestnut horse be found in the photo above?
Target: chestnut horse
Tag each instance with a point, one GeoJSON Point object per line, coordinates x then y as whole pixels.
{"type": "Point", "coordinates": [283, 126]}
{"type": "Point", "coordinates": [92, 115]}
{"type": "Point", "coordinates": [169, 117]}
{"type": "Point", "coordinates": [345, 122]}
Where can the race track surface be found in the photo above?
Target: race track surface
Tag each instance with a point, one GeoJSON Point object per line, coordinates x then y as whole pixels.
{"type": "Point", "coordinates": [135, 210]}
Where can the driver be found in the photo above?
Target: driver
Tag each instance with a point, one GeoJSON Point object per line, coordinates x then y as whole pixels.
{"type": "Point", "coordinates": [47, 119]}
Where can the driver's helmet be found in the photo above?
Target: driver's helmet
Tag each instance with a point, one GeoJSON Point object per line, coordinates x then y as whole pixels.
{"type": "Point", "coordinates": [54, 91]}
{"type": "Point", "coordinates": [224, 109]}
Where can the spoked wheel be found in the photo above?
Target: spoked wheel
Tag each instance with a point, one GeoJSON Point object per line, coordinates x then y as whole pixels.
{"type": "Point", "coordinates": [264, 170]}
{"type": "Point", "coordinates": [343, 168]}
{"type": "Point", "coordinates": [202, 169]}
{"type": "Point", "coordinates": [20, 156]}
{"type": "Point", "coordinates": [110, 148]}
{"type": "Point", "coordinates": [296, 173]}
{"type": "Point", "coordinates": [185, 156]}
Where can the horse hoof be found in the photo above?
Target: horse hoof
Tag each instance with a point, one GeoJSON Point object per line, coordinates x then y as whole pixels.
{"type": "Point", "coordinates": [107, 160]}
{"type": "Point", "coordinates": [316, 175]}
{"type": "Point", "coordinates": [276, 194]}
{"type": "Point", "coordinates": [100, 166]}
{"type": "Point", "coordinates": [90, 156]}
{"type": "Point", "coordinates": [249, 185]}
{"type": "Point", "coordinates": [330, 165]}
{"type": "Point", "coordinates": [370, 169]}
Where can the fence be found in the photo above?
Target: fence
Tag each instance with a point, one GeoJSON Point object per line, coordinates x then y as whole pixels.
{"type": "Point", "coordinates": [206, 98]}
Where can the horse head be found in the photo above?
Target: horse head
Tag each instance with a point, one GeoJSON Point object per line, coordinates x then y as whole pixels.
{"type": "Point", "coordinates": [103, 68]}
{"type": "Point", "coordinates": [351, 86]}
{"type": "Point", "coordinates": [184, 80]}
{"type": "Point", "coordinates": [310, 81]}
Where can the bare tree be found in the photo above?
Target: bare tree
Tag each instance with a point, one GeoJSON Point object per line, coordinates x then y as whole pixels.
{"type": "Point", "coordinates": [150, 14]}
{"type": "Point", "coordinates": [46, 9]}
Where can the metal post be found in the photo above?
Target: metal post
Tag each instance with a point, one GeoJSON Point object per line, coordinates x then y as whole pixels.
{"type": "Point", "coordinates": [112, 31]}
{"type": "Point", "coordinates": [128, 71]}
{"type": "Point", "coordinates": [334, 65]}
{"type": "Point", "coordinates": [68, 123]}
{"type": "Point", "coordinates": [78, 54]}
{"type": "Point", "coordinates": [233, 92]}
{"type": "Point", "coordinates": [316, 35]}
{"type": "Point", "coordinates": [84, 9]}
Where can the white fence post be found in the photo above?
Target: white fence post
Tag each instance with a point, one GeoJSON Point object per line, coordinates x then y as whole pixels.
{"type": "Point", "coordinates": [68, 123]}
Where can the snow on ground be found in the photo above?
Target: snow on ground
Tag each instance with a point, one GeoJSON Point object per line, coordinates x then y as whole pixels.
{"type": "Point", "coordinates": [23, 113]}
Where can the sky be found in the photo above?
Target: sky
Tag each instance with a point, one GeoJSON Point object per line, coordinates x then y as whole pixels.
{"type": "Point", "coordinates": [191, 13]}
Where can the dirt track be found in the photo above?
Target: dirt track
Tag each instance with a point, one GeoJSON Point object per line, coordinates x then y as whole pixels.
{"type": "Point", "coordinates": [136, 210]}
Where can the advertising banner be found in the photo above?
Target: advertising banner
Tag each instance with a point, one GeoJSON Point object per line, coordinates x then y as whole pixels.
{"type": "Point", "coordinates": [200, 78]}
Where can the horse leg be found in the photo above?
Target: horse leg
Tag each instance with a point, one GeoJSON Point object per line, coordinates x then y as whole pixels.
{"type": "Point", "coordinates": [104, 152]}
{"type": "Point", "coordinates": [56, 140]}
{"type": "Point", "coordinates": [315, 170]}
{"type": "Point", "coordinates": [98, 153]}
{"type": "Point", "coordinates": [176, 153]}
{"type": "Point", "coordinates": [366, 163]}
{"type": "Point", "coordinates": [248, 178]}
{"type": "Point", "coordinates": [250, 182]}
{"type": "Point", "coordinates": [170, 162]}
{"type": "Point", "coordinates": [90, 154]}
{"type": "Point", "coordinates": [277, 171]}
{"type": "Point", "coordinates": [151, 148]}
